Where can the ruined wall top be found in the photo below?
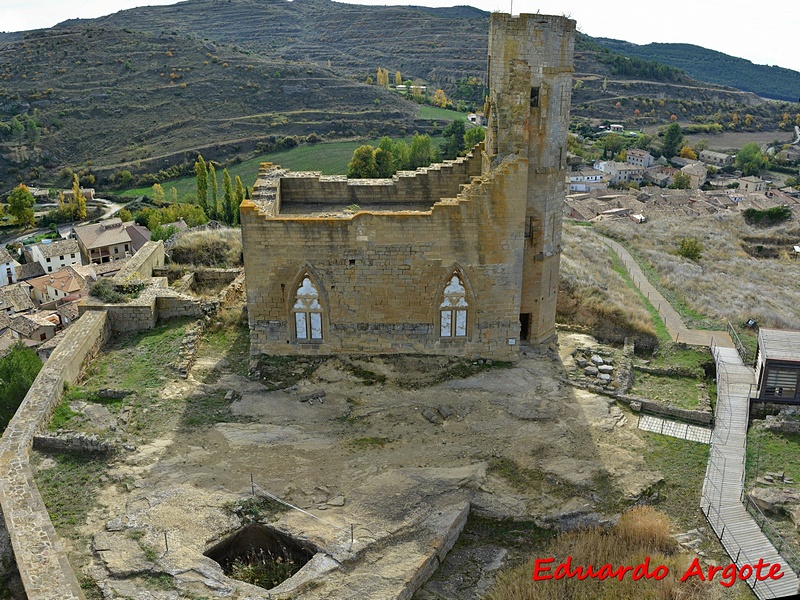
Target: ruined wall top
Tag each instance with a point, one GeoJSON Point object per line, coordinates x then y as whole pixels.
{"type": "Point", "coordinates": [543, 41]}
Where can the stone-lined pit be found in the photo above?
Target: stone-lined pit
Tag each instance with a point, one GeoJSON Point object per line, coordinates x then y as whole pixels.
{"type": "Point", "coordinates": [260, 555]}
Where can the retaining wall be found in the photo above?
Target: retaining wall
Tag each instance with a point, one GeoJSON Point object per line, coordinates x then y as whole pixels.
{"type": "Point", "coordinates": [149, 257]}
{"type": "Point", "coordinates": [42, 561]}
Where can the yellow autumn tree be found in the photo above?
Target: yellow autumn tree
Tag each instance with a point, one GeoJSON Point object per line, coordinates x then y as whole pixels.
{"type": "Point", "coordinates": [398, 79]}
{"type": "Point", "coordinates": [687, 152]}
{"type": "Point", "coordinates": [439, 99]}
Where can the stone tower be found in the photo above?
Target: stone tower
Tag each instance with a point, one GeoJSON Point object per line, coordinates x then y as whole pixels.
{"type": "Point", "coordinates": [530, 68]}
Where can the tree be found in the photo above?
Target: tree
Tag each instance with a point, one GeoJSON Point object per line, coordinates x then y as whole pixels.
{"type": "Point", "coordinates": [612, 144]}
{"type": "Point", "coordinates": [239, 199]}
{"type": "Point", "coordinates": [158, 193]}
{"type": "Point", "coordinates": [681, 181]}
{"type": "Point", "coordinates": [213, 204]}
{"type": "Point", "coordinates": [454, 139]}
{"type": "Point", "coordinates": [421, 153]}
{"type": "Point", "coordinates": [439, 99]}
{"type": "Point", "coordinates": [750, 160]}
{"type": "Point", "coordinates": [398, 79]}
{"type": "Point", "coordinates": [17, 131]}
{"type": "Point", "coordinates": [687, 152]}
{"type": "Point", "coordinates": [228, 197]}
{"type": "Point", "coordinates": [125, 215]}
{"type": "Point", "coordinates": [384, 164]}
{"type": "Point", "coordinates": [173, 192]}
{"type": "Point", "coordinates": [78, 199]}
{"type": "Point", "coordinates": [362, 165]}
{"type": "Point", "coordinates": [673, 140]}
{"type": "Point", "coordinates": [18, 369]}
{"type": "Point", "coordinates": [20, 205]}
{"type": "Point", "coordinates": [201, 175]}
{"type": "Point", "coordinates": [474, 135]}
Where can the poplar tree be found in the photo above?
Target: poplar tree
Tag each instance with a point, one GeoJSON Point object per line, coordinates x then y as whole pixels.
{"type": "Point", "coordinates": [78, 199]}
{"type": "Point", "coordinates": [201, 171]}
{"type": "Point", "coordinates": [213, 207]}
{"type": "Point", "coordinates": [158, 193]}
{"type": "Point", "coordinates": [398, 80]}
{"type": "Point", "coordinates": [227, 189]}
{"type": "Point", "coordinates": [239, 200]}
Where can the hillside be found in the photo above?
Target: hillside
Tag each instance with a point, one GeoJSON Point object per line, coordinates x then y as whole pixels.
{"type": "Point", "coordinates": [715, 67]}
{"type": "Point", "coordinates": [144, 90]}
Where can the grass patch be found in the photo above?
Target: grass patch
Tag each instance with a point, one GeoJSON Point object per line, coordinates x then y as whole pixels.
{"type": "Point", "coordinates": [231, 341]}
{"type": "Point", "coordinates": [330, 158]}
{"type": "Point", "coordinates": [683, 464]}
{"type": "Point", "coordinates": [677, 391]}
{"type": "Point", "coordinates": [366, 443]}
{"type": "Point", "coordinates": [673, 354]}
{"type": "Point", "coordinates": [434, 112]}
{"type": "Point", "coordinates": [658, 324]}
{"type": "Point", "coordinates": [771, 451]}
{"type": "Point", "coordinates": [256, 509]}
{"type": "Point", "coordinates": [68, 489]}
{"type": "Point", "coordinates": [207, 410]}
{"type": "Point", "coordinates": [62, 416]}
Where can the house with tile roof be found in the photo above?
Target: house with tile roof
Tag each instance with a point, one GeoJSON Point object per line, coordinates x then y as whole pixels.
{"type": "Point", "coordinates": [54, 255]}
{"type": "Point", "coordinates": [29, 271]}
{"type": "Point", "coordinates": [66, 283]}
{"type": "Point", "coordinates": [110, 240]}
{"type": "Point", "coordinates": [8, 268]}
{"type": "Point", "coordinates": [15, 299]}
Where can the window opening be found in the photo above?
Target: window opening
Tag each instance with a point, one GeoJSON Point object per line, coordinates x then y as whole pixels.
{"type": "Point", "coordinates": [453, 309]}
{"type": "Point", "coordinates": [307, 312]}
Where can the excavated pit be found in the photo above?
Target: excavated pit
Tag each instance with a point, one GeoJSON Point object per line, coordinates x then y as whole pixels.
{"type": "Point", "coordinates": [260, 555]}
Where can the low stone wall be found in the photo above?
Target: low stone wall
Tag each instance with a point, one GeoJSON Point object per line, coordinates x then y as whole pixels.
{"type": "Point", "coordinates": [215, 276]}
{"type": "Point", "coordinates": [72, 442]}
{"type": "Point", "coordinates": [43, 566]}
{"type": "Point", "coordinates": [149, 257]}
{"type": "Point", "coordinates": [691, 416]}
{"type": "Point", "coordinates": [174, 307]}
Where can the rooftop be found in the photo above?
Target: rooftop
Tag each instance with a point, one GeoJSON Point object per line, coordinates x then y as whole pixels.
{"type": "Point", "coordinates": [779, 344]}
{"type": "Point", "coordinates": [58, 248]}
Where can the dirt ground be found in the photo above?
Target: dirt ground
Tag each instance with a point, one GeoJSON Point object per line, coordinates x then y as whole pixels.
{"type": "Point", "coordinates": [385, 455]}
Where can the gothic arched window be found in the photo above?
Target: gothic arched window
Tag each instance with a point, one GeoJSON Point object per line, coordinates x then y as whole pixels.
{"type": "Point", "coordinates": [307, 312]}
{"type": "Point", "coordinates": [453, 309]}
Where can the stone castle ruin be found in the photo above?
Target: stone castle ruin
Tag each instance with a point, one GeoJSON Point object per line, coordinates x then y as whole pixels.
{"type": "Point", "coordinates": [459, 258]}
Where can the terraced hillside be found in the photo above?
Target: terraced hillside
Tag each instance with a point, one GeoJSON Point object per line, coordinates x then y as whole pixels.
{"type": "Point", "coordinates": [144, 90]}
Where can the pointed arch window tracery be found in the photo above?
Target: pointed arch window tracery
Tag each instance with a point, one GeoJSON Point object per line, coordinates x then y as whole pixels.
{"type": "Point", "coordinates": [307, 312]}
{"type": "Point", "coordinates": [453, 310]}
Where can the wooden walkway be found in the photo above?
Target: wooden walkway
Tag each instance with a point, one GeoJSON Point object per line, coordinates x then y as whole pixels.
{"type": "Point", "coordinates": [723, 488]}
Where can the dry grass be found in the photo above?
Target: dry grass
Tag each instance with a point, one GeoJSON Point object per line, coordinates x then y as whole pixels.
{"type": "Point", "coordinates": [640, 533]}
{"type": "Point", "coordinates": [728, 282]}
{"type": "Point", "coordinates": [210, 247]}
{"type": "Point", "coordinates": [593, 294]}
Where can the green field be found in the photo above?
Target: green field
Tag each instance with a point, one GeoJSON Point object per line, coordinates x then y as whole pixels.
{"type": "Point", "coordinates": [330, 158]}
{"type": "Point", "coordinates": [434, 112]}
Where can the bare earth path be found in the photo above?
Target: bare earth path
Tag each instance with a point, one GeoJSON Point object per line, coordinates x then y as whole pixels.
{"type": "Point", "coordinates": [673, 321]}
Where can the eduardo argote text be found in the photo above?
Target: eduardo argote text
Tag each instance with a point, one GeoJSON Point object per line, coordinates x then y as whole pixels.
{"type": "Point", "coordinates": [543, 570]}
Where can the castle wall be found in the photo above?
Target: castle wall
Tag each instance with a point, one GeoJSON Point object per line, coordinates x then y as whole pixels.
{"type": "Point", "coordinates": [41, 558]}
{"type": "Point", "coordinates": [381, 275]}
{"type": "Point", "coordinates": [423, 187]}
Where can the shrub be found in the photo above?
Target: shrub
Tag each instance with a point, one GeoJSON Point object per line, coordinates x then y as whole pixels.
{"type": "Point", "coordinates": [211, 247]}
{"type": "Point", "coordinates": [104, 290]}
{"type": "Point", "coordinates": [690, 248]}
{"type": "Point", "coordinates": [771, 216]}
